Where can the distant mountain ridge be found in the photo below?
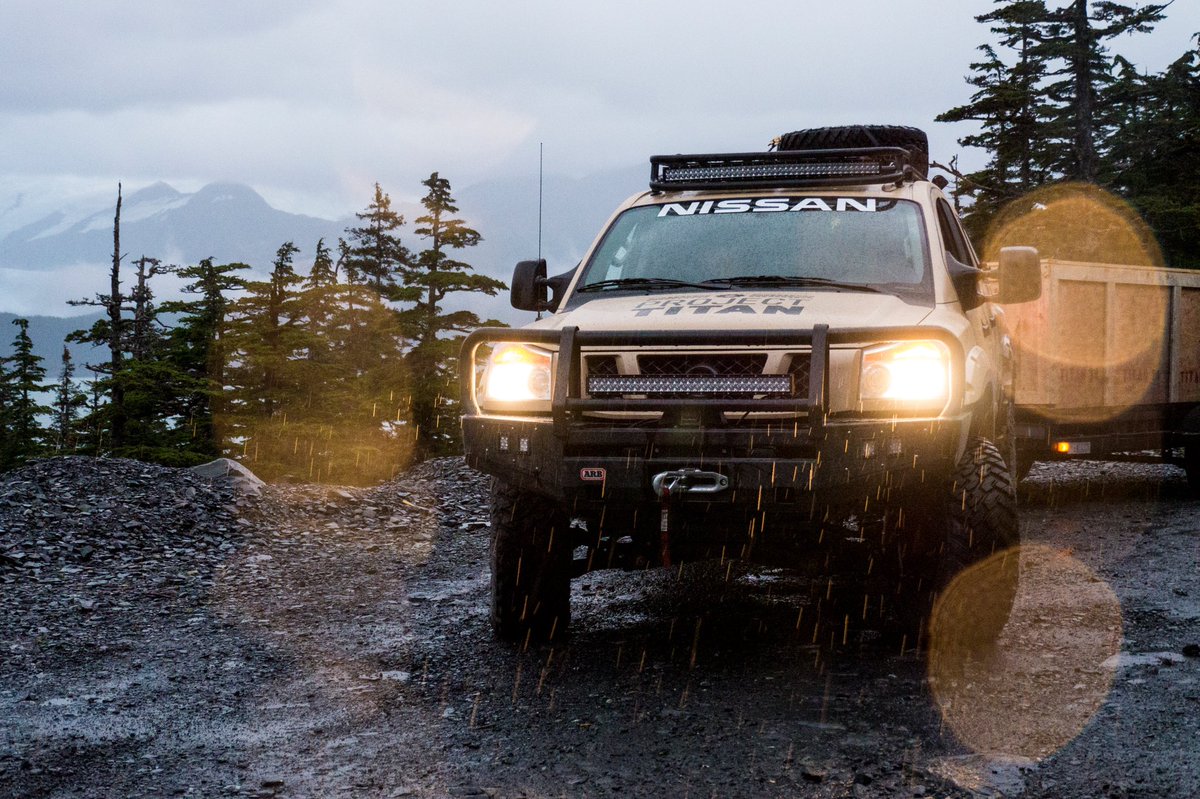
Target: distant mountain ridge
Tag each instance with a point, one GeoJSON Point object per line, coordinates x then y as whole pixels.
{"type": "Point", "coordinates": [48, 334]}
{"type": "Point", "coordinates": [225, 221]}
{"type": "Point", "coordinates": [232, 222]}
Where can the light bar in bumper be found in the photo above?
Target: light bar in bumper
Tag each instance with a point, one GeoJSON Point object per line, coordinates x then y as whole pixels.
{"type": "Point", "coordinates": [568, 401]}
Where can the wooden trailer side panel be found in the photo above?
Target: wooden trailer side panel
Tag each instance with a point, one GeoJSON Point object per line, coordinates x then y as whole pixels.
{"type": "Point", "coordinates": [1105, 336]}
{"type": "Point", "coordinates": [1185, 356]}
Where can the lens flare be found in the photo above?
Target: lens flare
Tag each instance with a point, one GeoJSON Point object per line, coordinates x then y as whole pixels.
{"type": "Point", "coordinates": [1039, 685]}
{"type": "Point", "coordinates": [1096, 342]}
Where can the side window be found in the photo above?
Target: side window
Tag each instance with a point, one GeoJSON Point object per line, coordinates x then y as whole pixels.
{"type": "Point", "coordinates": [953, 237]}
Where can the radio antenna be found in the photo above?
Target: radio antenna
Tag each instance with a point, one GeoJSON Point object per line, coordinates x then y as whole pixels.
{"type": "Point", "coordinates": [540, 159]}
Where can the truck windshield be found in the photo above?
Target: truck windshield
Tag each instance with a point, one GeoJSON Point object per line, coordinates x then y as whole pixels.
{"type": "Point", "coordinates": [841, 241]}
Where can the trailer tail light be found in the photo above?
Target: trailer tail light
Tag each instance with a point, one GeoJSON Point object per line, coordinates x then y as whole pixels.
{"type": "Point", "coordinates": [1073, 447]}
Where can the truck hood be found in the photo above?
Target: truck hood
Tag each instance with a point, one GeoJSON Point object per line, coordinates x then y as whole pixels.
{"type": "Point", "coordinates": [739, 310]}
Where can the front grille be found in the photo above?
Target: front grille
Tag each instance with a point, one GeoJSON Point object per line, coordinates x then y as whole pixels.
{"type": "Point", "coordinates": [703, 364]}
{"type": "Point", "coordinates": [602, 365]}
{"type": "Point", "coordinates": [799, 369]}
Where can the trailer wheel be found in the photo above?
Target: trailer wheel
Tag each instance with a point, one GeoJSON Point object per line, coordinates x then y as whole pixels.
{"type": "Point", "coordinates": [973, 520]}
{"type": "Point", "coordinates": [531, 566]}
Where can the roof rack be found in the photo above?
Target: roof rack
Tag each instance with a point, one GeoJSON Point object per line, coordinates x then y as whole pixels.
{"type": "Point", "coordinates": [789, 168]}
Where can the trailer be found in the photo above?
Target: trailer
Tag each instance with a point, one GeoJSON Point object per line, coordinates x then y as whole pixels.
{"type": "Point", "coordinates": [1107, 366]}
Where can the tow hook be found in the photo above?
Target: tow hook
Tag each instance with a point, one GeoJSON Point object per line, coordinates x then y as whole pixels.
{"type": "Point", "coordinates": [675, 484]}
{"type": "Point", "coordinates": [688, 481]}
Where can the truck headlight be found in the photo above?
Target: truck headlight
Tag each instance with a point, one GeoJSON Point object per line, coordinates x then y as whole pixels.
{"type": "Point", "coordinates": [517, 374]}
{"type": "Point", "coordinates": [908, 372]}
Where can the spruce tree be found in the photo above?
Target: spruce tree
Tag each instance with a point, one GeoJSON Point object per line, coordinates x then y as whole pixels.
{"type": "Point", "coordinates": [144, 333]}
{"type": "Point", "coordinates": [1083, 115]}
{"type": "Point", "coordinates": [196, 347]}
{"type": "Point", "coordinates": [266, 330]}
{"type": "Point", "coordinates": [432, 278]}
{"type": "Point", "coordinates": [1049, 100]}
{"type": "Point", "coordinates": [315, 376]}
{"type": "Point", "coordinates": [375, 253]}
{"type": "Point", "coordinates": [68, 400]}
{"type": "Point", "coordinates": [21, 375]}
{"type": "Point", "coordinates": [93, 435]}
{"type": "Point", "coordinates": [266, 339]}
{"type": "Point", "coordinates": [1155, 153]}
{"type": "Point", "coordinates": [1010, 107]}
{"type": "Point", "coordinates": [110, 332]}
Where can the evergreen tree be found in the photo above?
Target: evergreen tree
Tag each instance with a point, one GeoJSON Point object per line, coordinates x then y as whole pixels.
{"type": "Point", "coordinates": [434, 276]}
{"type": "Point", "coordinates": [1009, 105]}
{"type": "Point", "coordinates": [321, 291]}
{"type": "Point", "coordinates": [156, 392]}
{"type": "Point", "coordinates": [196, 348]}
{"type": "Point", "coordinates": [1049, 103]}
{"type": "Point", "coordinates": [68, 400]}
{"type": "Point", "coordinates": [110, 331]}
{"type": "Point", "coordinates": [7, 398]}
{"type": "Point", "coordinates": [374, 253]}
{"type": "Point", "coordinates": [1083, 114]}
{"type": "Point", "coordinates": [330, 415]}
{"type": "Point", "coordinates": [1155, 153]}
{"type": "Point", "coordinates": [267, 334]}
{"type": "Point", "coordinates": [21, 375]}
{"type": "Point", "coordinates": [144, 334]}
{"type": "Point", "coordinates": [145, 388]}
{"type": "Point", "coordinates": [92, 430]}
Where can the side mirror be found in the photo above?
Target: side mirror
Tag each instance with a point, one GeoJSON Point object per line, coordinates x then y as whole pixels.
{"type": "Point", "coordinates": [1020, 275]}
{"type": "Point", "coordinates": [529, 286]}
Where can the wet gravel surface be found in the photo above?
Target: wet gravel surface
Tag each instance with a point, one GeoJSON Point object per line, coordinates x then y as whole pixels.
{"type": "Point", "coordinates": [166, 635]}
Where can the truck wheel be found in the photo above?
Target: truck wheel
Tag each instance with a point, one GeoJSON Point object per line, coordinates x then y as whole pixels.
{"type": "Point", "coordinates": [850, 136]}
{"type": "Point", "coordinates": [948, 534]}
{"type": "Point", "coordinates": [981, 522]}
{"type": "Point", "coordinates": [531, 566]}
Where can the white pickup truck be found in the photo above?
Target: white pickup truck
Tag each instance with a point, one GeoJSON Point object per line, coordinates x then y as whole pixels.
{"type": "Point", "coordinates": [757, 350]}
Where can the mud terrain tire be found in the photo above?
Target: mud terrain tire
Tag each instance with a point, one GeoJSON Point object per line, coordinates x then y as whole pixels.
{"type": "Point", "coordinates": [531, 566]}
{"type": "Point", "coordinates": [948, 534]}
{"type": "Point", "coordinates": [982, 521]}
{"type": "Point", "coordinates": [851, 136]}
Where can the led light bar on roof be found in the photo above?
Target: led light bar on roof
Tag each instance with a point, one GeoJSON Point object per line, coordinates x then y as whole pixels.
{"type": "Point", "coordinates": [766, 171]}
{"type": "Point", "coordinates": [789, 168]}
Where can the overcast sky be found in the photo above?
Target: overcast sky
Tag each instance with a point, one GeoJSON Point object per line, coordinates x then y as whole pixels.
{"type": "Point", "coordinates": [312, 102]}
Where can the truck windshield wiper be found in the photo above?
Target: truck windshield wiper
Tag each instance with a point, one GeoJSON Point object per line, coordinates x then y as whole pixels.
{"type": "Point", "coordinates": [646, 283]}
{"type": "Point", "coordinates": [790, 280]}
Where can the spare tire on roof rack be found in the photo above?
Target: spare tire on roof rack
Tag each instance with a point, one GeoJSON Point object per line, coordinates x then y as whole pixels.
{"type": "Point", "coordinates": [850, 136]}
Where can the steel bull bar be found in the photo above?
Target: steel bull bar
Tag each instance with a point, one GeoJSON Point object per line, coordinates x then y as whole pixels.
{"type": "Point", "coordinates": [676, 482]}
{"type": "Point", "coordinates": [568, 402]}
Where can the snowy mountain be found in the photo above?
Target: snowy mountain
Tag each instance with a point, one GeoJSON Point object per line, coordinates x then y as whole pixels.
{"type": "Point", "coordinates": [226, 221]}
{"type": "Point", "coordinates": [51, 254]}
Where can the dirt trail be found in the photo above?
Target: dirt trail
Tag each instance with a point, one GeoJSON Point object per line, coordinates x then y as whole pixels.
{"type": "Point", "coordinates": [339, 646]}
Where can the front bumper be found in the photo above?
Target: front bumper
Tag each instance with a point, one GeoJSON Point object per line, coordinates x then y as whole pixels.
{"type": "Point", "coordinates": [802, 452]}
{"type": "Point", "coordinates": [844, 463]}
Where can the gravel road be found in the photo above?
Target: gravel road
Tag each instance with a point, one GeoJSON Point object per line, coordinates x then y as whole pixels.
{"type": "Point", "coordinates": [165, 635]}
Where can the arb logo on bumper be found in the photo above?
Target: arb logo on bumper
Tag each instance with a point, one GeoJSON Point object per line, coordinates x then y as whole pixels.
{"type": "Point", "coordinates": [592, 474]}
